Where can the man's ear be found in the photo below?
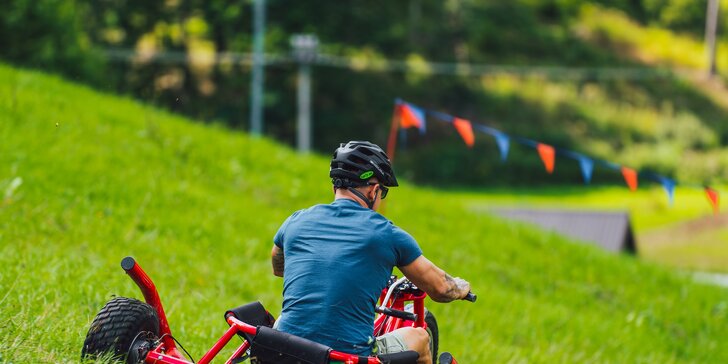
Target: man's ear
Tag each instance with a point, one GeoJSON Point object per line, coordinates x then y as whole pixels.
{"type": "Point", "coordinates": [372, 192]}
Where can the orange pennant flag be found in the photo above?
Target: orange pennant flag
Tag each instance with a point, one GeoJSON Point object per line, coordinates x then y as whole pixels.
{"type": "Point", "coordinates": [548, 155]}
{"type": "Point", "coordinates": [630, 176]}
{"type": "Point", "coordinates": [466, 131]}
{"type": "Point", "coordinates": [714, 199]}
{"type": "Point", "coordinates": [408, 118]}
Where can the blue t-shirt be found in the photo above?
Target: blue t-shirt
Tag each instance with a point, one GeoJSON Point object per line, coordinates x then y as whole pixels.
{"type": "Point", "coordinates": [338, 258]}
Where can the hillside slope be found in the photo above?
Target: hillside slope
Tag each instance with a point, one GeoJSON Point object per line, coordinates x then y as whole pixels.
{"type": "Point", "coordinates": [87, 179]}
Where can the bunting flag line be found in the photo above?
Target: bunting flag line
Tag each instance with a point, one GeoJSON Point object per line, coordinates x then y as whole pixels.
{"type": "Point", "coordinates": [548, 156]}
{"type": "Point", "coordinates": [407, 115]}
{"type": "Point", "coordinates": [465, 129]}
{"type": "Point", "coordinates": [713, 198]}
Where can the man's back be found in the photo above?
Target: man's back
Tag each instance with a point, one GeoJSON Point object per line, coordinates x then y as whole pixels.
{"type": "Point", "coordinates": [338, 257]}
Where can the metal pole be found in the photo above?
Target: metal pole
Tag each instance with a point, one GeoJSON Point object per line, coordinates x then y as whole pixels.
{"type": "Point", "coordinates": [304, 107]}
{"type": "Point", "coordinates": [305, 48]}
{"type": "Point", "coordinates": [257, 79]}
{"type": "Point", "coordinates": [711, 27]}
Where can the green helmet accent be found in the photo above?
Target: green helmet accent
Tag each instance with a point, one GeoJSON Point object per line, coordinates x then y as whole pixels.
{"type": "Point", "coordinates": [366, 175]}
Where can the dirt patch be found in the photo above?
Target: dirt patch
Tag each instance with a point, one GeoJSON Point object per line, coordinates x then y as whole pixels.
{"type": "Point", "coordinates": [684, 232]}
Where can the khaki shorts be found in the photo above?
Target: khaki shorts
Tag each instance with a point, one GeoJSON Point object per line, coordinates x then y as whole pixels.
{"type": "Point", "coordinates": [390, 343]}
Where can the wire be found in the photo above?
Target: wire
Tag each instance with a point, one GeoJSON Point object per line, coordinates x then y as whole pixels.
{"type": "Point", "coordinates": [180, 345]}
{"type": "Point", "coordinates": [359, 64]}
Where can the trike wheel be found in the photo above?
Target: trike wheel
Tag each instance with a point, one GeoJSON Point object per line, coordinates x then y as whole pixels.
{"type": "Point", "coordinates": [434, 334]}
{"type": "Point", "coordinates": [118, 323]}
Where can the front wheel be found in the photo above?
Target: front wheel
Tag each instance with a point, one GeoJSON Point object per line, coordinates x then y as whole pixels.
{"type": "Point", "coordinates": [118, 324]}
{"type": "Point", "coordinates": [434, 334]}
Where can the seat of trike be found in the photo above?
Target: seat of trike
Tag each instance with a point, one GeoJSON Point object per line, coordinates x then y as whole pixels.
{"type": "Point", "coordinates": [269, 346]}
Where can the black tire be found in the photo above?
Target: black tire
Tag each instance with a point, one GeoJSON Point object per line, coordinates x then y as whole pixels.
{"type": "Point", "coordinates": [434, 333]}
{"type": "Point", "coordinates": [117, 325]}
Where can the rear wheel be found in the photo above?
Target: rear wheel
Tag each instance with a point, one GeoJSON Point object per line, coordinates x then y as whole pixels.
{"type": "Point", "coordinates": [434, 334]}
{"type": "Point", "coordinates": [120, 322]}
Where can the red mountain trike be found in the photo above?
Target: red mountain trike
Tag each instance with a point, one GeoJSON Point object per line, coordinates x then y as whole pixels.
{"type": "Point", "coordinates": [138, 332]}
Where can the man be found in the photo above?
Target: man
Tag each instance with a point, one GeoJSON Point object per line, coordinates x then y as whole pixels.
{"type": "Point", "coordinates": [336, 258]}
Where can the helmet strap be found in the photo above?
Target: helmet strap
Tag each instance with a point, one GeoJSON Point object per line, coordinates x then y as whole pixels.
{"type": "Point", "coordinates": [370, 203]}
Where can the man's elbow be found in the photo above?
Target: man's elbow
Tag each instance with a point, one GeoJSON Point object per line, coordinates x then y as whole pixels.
{"type": "Point", "coordinates": [277, 273]}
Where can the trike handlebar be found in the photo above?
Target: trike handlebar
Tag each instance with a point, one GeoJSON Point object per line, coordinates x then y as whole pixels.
{"type": "Point", "coordinates": [396, 313]}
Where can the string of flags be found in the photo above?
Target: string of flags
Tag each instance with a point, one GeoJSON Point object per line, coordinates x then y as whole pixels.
{"type": "Point", "coordinates": [407, 115]}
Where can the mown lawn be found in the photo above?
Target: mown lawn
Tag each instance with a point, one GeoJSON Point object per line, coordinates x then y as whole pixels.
{"type": "Point", "coordinates": [87, 179]}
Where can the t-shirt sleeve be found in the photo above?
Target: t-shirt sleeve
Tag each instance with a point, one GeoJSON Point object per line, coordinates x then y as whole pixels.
{"type": "Point", "coordinates": [405, 247]}
{"type": "Point", "coordinates": [280, 234]}
{"type": "Point", "coordinates": [278, 237]}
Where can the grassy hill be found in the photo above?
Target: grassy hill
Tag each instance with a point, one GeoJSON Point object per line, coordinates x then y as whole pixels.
{"type": "Point", "coordinates": [87, 178]}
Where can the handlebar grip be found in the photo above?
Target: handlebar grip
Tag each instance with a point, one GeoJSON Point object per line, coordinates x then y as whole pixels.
{"type": "Point", "coordinates": [471, 297]}
{"type": "Point", "coordinates": [396, 313]}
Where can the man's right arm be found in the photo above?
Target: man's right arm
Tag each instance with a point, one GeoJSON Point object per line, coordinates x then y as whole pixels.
{"type": "Point", "coordinates": [440, 286]}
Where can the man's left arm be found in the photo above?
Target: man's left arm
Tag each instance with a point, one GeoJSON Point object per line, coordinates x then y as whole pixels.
{"type": "Point", "coordinates": [276, 257]}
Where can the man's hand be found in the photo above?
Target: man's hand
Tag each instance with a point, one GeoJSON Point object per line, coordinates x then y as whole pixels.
{"type": "Point", "coordinates": [440, 286]}
{"type": "Point", "coordinates": [276, 257]}
{"type": "Point", "coordinates": [459, 288]}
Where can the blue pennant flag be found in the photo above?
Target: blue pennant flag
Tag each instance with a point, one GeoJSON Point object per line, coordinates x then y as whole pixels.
{"type": "Point", "coordinates": [419, 117]}
{"type": "Point", "coordinates": [667, 183]}
{"type": "Point", "coordinates": [501, 138]}
{"type": "Point", "coordinates": [504, 144]}
{"type": "Point", "coordinates": [669, 186]}
{"type": "Point", "coordinates": [587, 167]}
{"type": "Point", "coordinates": [586, 164]}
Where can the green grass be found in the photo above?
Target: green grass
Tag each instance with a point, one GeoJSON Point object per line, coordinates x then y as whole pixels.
{"type": "Point", "coordinates": [86, 179]}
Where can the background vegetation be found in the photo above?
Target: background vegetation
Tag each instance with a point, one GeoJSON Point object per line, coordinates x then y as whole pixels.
{"type": "Point", "coordinates": [88, 178]}
{"type": "Point", "coordinates": [673, 124]}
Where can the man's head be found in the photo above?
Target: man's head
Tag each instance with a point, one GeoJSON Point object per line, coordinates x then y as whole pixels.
{"type": "Point", "coordinates": [364, 169]}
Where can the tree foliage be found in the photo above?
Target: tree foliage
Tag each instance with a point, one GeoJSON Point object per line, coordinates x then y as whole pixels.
{"type": "Point", "coordinates": [67, 36]}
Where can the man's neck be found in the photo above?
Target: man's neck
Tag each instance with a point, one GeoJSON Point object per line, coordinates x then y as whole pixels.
{"type": "Point", "coordinates": [342, 193]}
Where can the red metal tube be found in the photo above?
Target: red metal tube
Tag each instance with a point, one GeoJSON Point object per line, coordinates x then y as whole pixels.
{"type": "Point", "coordinates": [156, 357]}
{"type": "Point", "coordinates": [151, 296]}
{"type": "Point", "coordinates": [351, 359]}
{"type": "Point", "coordinates": [419, 310]}
{"type": "Point", "coordinates": [242, 326]}
{"type": "Point", "coordinates": [219, 345]}
{"type": "Point", "coordinates": [239, 352]}
{"type": "Point", "coordinates": [237, 325]}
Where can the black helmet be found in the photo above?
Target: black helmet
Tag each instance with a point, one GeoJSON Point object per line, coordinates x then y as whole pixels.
{"type": "Point", "coordinates": [355, 162]}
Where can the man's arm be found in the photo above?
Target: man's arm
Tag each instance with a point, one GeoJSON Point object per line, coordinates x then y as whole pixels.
{"type": "Point", "coordinates": [276, 257]}
{"type": "Point", "coordinates": [440, 286]}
